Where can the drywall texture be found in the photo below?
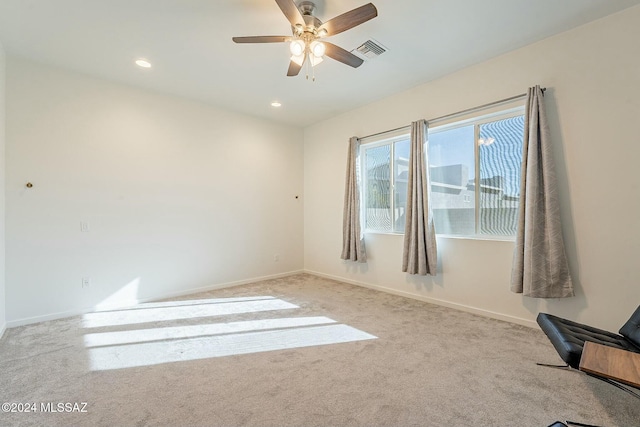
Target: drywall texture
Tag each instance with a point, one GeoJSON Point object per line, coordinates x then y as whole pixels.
{"type": "Point", "coordinates": [2, 190]}
{"type": "Point", "coordinates": [177, 195]}
{"type": "Point", "coordinates": [593, 82]}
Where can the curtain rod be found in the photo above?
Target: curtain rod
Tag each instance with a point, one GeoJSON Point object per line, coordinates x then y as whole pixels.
{"type": "Point", "coordinates": [385, 132]}
{"type": "Point", "coordinates": [468, 110]}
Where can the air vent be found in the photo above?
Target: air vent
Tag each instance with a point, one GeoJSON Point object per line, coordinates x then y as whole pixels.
{"type": "Point", "coordinates": [370, 49]}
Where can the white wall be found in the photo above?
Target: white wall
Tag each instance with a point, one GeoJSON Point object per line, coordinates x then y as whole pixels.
{"type": "Point", "coordinates": [593, 78]}
{"type": "Point", "coordinates": [2, 190]}
{"type": "Point", "coordinates": [178, 195]}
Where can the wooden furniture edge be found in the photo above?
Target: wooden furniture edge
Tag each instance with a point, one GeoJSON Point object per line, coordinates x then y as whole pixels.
{"type": "Point", "coordinates": [610, 362]}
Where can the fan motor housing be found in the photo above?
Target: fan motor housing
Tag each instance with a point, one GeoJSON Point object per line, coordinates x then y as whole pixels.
{"type": "Point", "coordinates": [307, 8]}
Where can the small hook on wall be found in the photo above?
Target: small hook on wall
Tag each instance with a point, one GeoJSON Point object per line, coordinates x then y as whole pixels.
{"type": "Point", "coordinates": [29, 185]}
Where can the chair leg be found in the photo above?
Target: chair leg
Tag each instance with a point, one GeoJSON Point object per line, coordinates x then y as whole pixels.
{"type": "Point", "coordinates": [606, 380]}
{"type": "Point", "coordinates": [575, 423]}
{"type": "Point", "coordinates": [566, 367]}
{"type": "Point", "coordinates": [615, 384]}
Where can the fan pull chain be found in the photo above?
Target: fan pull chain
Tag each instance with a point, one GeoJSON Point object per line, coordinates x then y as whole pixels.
{"type": "Point", "coordinates": [310, 66]}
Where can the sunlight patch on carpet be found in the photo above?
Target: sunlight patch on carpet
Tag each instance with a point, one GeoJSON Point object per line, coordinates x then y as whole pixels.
{"type": "Point", "coordinates": [136, 346]}
{"type": "Point", "coordinates": [178, 303]}
{"type": "Point", "coordinates": [142, 314]}
{"type": "Point", "coordinates": [192, 331]}
{"type": "Point", "coordinates": [154, 353]}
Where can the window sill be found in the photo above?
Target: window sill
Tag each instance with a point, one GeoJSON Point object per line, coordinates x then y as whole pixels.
{"type": "Point", "coordinates": [383, 233]}
{"type": "Point", "coordinates": [511, 239]}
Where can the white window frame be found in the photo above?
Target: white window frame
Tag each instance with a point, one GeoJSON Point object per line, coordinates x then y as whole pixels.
{"type": "Point", "coordinates": [363, 193]}
{"type": "Point", "coordinates": [476, 119]}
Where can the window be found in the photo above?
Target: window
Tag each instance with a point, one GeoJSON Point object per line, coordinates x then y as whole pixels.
{"type": "Point", "coordinates": [386, 166]}
{"type": "Point", "coordinates": [484, 150]}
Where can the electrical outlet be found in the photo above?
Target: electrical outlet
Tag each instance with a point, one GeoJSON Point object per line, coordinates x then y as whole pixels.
{"type": "Point", "coordinates": [86, 282]}
{"type": "Point", "coordinates": [84, 226]}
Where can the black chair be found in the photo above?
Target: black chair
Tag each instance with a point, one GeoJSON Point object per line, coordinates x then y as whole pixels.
{"type": "Point", "coordinates": [568, 337]}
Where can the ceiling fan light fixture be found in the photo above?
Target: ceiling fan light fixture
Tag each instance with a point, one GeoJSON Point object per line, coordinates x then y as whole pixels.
{"type": "Point", "coordinates": [318, 49]}
{"type": "Point", "coordinates": [315, 60]}
{"type": "Point", "coordinates": [297, 47]}
{"type": "Point", "coordinates": [298, 59]}
{"type": "Point", "coordinates": [304, 44]}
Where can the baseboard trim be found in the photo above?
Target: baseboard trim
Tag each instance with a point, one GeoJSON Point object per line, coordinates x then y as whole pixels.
{"type": "Point", "coordinates": [444, 303]}
{"type": "Point", "coordinates": [454, 305]}
{"type": "Point", "coordinates": [80, 311]}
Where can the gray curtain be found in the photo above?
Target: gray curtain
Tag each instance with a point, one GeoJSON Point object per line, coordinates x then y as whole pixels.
{"type": "Point", "coordinates": [420, 254]}
{"type": "Point", "coordinates": [353, 248]}
{"type": "Point", "coordinates": [540, 267]}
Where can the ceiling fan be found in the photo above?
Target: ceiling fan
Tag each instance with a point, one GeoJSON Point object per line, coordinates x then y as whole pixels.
{"type": "Point", "coordinates": [305, 44]}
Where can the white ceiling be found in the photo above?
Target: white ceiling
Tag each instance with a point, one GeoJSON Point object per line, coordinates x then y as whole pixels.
{"type": "Point", "coordinates": [189, 44]}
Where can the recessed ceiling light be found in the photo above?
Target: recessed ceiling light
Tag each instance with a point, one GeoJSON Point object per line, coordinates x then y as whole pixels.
{"type": "Point", "coordinates": [143, 63]}
{"type": "Point", "coordinates": [276, 104]}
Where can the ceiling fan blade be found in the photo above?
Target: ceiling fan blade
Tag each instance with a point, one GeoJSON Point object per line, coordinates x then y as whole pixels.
{"type": "Point", "coordinates": [262, 39]}
{"type": "Point", "coordinates": [349, 20]}
{"type": "Point", "coordinates": [291, 11]}
{"type": "Point", "coordinates": [294, 67]}
{"type": "Point", "coordinates": [341, 55]}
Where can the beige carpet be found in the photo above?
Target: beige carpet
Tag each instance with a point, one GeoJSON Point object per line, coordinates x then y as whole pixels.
{"type": "Point", "coordinates": [298, 351]}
